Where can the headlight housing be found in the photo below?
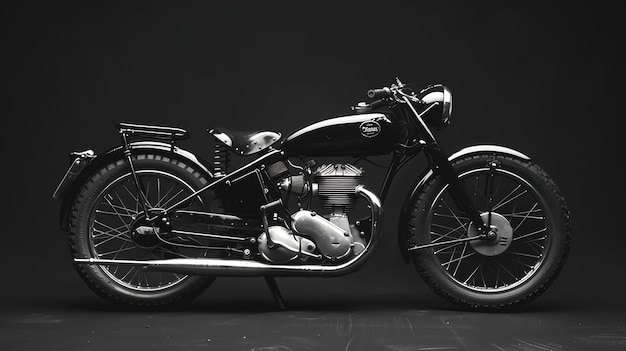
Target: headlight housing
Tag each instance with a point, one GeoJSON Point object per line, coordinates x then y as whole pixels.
{"type": "Point", "coordinates": [437, 109]}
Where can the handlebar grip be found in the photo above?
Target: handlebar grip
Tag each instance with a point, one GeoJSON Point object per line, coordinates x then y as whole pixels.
{"type": "Point", "coordinates": [379, 93]}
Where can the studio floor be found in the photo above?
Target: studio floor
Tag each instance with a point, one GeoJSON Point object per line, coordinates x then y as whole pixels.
{"type": "Point", "coordinates": [238, 314]}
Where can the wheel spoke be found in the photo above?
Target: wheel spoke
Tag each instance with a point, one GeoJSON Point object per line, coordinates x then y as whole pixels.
{"type": "Point", "coordinates": [132, 269]}
{"type": "Point", "coordinates": [147, 194]}
{"type": "Point", "coordinates": [112, 237]}
{"type": "Point", "coordinates": [103, 254]}
{"type": "Point", "coordinates": [498, 279]}
{"type": "Point", "coordinates": [172, 198]}
{"type": "Point", "coordinates": [447, 234]}
{"type": "Point", "coordinates": [524, 214]}
{"type": "Point", "coordinates": [446, 248]}
{"type": "Point", "coordinates": [506, 270]}
{"type": "Point", "coordinates": [514, 201]}
{"type": "Point", "coordinates": [503, 202]}
{"type": "Point", "coordinates": [135, 197]}
{"type": "Point", "coordinates": [117, 213]}
{"type": "Point", "coordinates": [459, 262]}
{"type": "Point", "coordinates": [525, 217]}
{"type": "Point", "coordinates": [114, 217]}
{"type": "Point", "coordinates": [478, 193]}
{"type": "Point", "coordinates": [160, 202]}
{"type": "Point", "coordinates": [124, 207]}
{"type": "Point", "coordinates": [464, 219]}
{"type": "Point", "coordinates": [482, 277]}
{"type": "Point", "coordinates": [458, 259]}
{"type": "Point", "coordinates": [516, 238]}
{"type": "Point", "coordinates": [522, 254]}
{"type": "Point", "coordinates": [472, 274]}
{"type": "Point", "coordinates": [123, 247]}
{"type": "Point", "coordinates": [457, 218]}
{"type": "Point", "coordinates": [118, 232]}
{"type": "Point", "coordinates": [145, 278]}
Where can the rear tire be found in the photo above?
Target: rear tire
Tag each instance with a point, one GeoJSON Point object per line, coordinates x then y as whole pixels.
{"type": "Point", "coordinates": [533, 225]}
{"type": "Point", "coordinates": [102, 215]}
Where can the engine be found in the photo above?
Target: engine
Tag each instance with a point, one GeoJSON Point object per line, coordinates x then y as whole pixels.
{"type": "Point", "coordinates": [329, 235]}
{"type": "Point", "coordinates": [335, 187]}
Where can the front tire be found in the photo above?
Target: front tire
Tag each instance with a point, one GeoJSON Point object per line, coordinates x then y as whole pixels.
{"type": "Point", "coordinates": [103, 216]}
{"type": "Point", "coordinates": [531, 220]}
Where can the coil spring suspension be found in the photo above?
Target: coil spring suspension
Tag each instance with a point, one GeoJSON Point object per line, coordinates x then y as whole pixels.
{"type": "Point", "coordinates": [220, 160]}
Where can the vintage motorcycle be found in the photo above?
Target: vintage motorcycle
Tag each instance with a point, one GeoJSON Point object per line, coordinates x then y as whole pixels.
{"type": "Point", "coordinates": [150, 223]}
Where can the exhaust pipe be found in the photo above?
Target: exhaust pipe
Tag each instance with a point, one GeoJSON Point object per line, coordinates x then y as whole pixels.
{"type": "Point", "coordinates": [221, 267]}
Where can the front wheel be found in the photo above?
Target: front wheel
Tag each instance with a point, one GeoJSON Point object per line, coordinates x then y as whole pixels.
{"type": "Point", "coordinates": [530, 239]}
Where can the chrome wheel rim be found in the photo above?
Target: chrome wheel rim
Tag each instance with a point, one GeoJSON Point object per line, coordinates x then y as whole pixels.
{"type": "Point", "coordinates": [519, 204]}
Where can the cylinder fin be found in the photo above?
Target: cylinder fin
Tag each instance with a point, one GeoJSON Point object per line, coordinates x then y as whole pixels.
{"type": "Point", "coordinates": [336, 184]}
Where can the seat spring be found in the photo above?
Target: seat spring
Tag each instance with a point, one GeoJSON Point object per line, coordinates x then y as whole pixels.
{"type": "Point", "coordinates": [221, 157]}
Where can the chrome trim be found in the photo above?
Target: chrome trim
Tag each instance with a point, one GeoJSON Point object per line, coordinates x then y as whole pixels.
{"type": "Point", "coordinates": [433, 96]}
{"type": "Point", "coordinates": [473, 150]}
{"type": "Point", "coordinates": [80, 160]}
{"type": "Point", "coordinates": [447, 103]}
{"type": "Point", "coordinates": [337, 121]}
{"type": "Point", "coordinates": [487, 148]}
{"type": "Point", "coordinates": [286, 246]}
{"type": "Point", "coordinates": [153, 130]}
{"type": "Point", "coordinates": [225, 267]}
{"type": "Point", "coordinates": [224, 138]}
{"type": "Point", "coordinates": [259, 141]}
{"type": "Point", "coordinates": [332, 241]}
{"type": "Point", "coordinates": [246, 143]}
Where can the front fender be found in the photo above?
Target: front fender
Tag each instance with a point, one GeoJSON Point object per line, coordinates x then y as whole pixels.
{"type": "Point", "coordinates": [405, 215]}
{"type": "Point", "coordinates": [99, 161]}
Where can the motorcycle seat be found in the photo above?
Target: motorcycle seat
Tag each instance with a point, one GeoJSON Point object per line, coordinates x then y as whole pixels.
{"type": "Point", "coordinates": [245, 143]}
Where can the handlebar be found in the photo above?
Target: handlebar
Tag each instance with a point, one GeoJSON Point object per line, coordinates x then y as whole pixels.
{"type": "Point", "coordinates": [379, 93]}
{"type": "Point", "coordinates": [378, 103]}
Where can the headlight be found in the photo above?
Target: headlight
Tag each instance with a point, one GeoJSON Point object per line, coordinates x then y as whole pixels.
{"type": "Point", "coordinates": [437, 101]}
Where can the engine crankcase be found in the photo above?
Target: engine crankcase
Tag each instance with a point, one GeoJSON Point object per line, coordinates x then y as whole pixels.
{"type": "Point", "coordinates": [332, 241]}
{"type": "Point", "coordinates": [286, 246]}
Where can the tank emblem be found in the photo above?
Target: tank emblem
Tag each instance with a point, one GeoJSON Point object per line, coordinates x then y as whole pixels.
{"type": "Point", "coordinates": [370, 129]}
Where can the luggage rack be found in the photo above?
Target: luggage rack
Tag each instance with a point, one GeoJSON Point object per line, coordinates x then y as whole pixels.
{"type": "Point", "coordinates": [152, 132]}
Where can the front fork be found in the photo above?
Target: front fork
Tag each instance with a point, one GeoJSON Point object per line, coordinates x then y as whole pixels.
{"type": "Point", "coordinates": [439, 163]}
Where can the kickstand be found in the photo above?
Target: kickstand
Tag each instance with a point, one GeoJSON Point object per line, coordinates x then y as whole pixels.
{"type": "Point", "coordinates": [271, 283]}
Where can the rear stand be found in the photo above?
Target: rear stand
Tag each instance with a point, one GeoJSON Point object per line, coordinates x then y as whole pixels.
{"type": "Point", "coordinates": [271, 283]}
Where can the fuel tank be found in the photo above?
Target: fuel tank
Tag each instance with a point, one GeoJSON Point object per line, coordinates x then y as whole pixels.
{"type": "Point", "coordinates": [361, 134]}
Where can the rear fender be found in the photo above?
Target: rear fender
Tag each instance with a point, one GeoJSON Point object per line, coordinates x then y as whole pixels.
{"type": "Point", "coordinates": [405, 215]}
{"type": "Point", "coordinates": [99, 161]}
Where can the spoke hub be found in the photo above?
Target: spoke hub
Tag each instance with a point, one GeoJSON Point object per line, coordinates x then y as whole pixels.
{"type": "Point", "coordinates": [498, 239]}
{"type": "Point", "coordinates": [144, 233]}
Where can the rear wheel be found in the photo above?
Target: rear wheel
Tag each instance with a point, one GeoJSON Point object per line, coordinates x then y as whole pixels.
{"type": "Point", "coordinates": [107, 220]}
{"type": "Point", "coordinates": [530, 225]}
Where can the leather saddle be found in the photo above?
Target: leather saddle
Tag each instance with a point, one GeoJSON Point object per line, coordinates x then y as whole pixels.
{"type": "Point", "coordinates": [245, 143]}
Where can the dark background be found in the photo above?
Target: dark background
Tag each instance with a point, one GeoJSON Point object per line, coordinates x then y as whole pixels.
{"type": "Point", "coordinates": [543, 79]}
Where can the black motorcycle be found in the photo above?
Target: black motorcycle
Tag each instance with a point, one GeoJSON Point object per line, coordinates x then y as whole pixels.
{"type": "Point", "coordinates": [151, 223]}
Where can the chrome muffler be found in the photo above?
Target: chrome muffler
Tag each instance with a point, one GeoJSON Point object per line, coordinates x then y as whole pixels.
{"type": "Point", "coordinates": [228, 267]}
